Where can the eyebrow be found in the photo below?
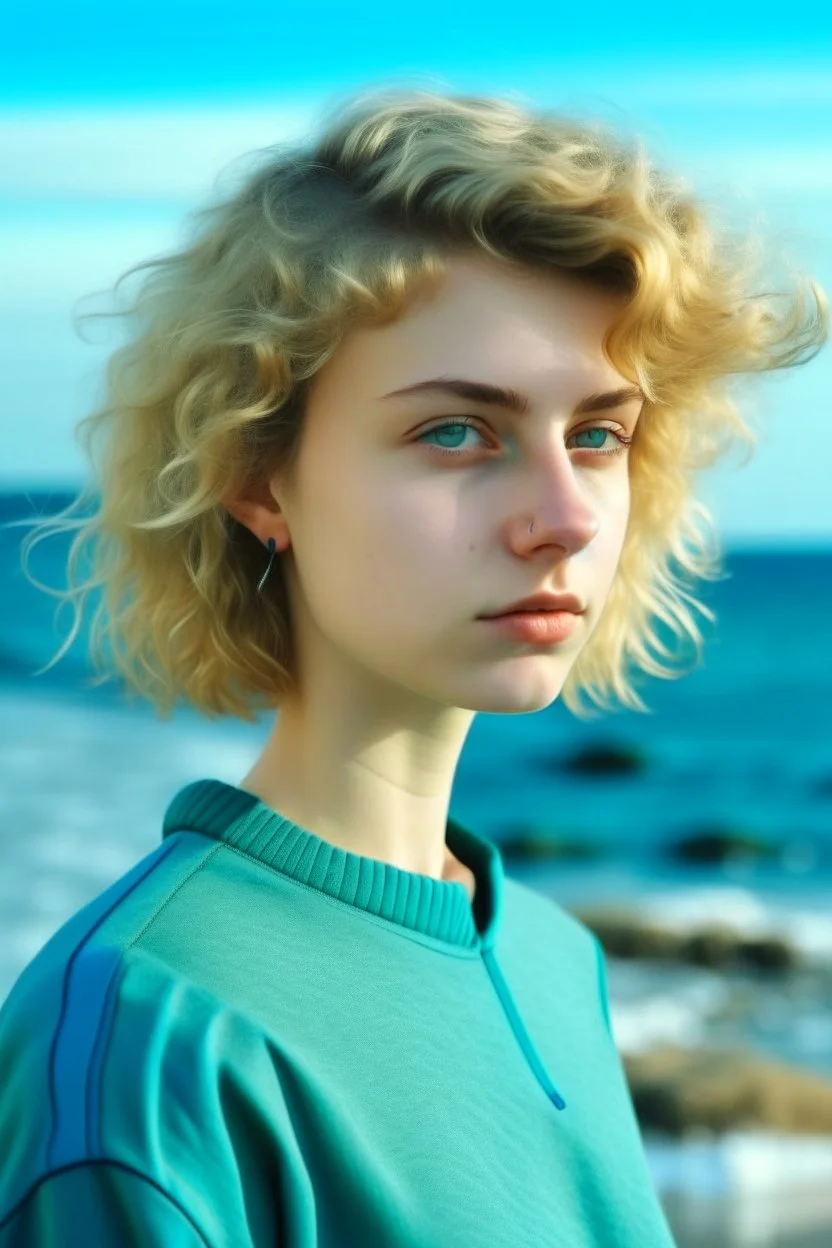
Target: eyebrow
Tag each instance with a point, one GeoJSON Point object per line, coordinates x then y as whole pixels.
{"type": "Point", "coordinates": [512, 400]}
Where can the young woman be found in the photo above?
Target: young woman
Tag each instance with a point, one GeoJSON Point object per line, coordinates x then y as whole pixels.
{"type": "Point", "coordinates": [450, 356]}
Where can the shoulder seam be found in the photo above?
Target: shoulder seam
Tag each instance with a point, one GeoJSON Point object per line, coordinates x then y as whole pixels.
{"type": "Point", "coordinates": [151, 919]}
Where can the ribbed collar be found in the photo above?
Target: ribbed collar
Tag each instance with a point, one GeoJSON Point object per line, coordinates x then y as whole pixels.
{"type": "Point", "coordinates": [437, 908]}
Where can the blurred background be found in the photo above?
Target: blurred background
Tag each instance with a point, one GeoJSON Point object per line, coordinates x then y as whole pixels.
{"type": "Point", "coordinates": [696, 840]}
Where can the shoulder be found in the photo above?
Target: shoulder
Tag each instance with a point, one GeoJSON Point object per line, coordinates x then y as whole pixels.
{"type": "Point", "coordinates": [548, 918]}
{"type": "Point", "coordinates": [538, 923]}
{"type": "Point", "coordinates": [115, 1058]}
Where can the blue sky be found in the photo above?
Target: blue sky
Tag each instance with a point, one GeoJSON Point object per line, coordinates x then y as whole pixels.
{"type": "Point", "coordinates": [116, 121]}
{"type": "Point", "coordinates": [172, 50]}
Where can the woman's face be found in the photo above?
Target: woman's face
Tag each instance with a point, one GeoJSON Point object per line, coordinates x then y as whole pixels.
{"type": "Point", "coordinates": [396, 547]}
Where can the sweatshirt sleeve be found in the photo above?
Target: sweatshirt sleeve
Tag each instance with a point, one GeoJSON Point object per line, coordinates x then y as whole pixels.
{"type": "Point", "coordinates": [101, 1203]}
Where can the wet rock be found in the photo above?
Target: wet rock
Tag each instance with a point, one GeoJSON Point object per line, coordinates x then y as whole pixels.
{"type": "Point", "coordinates": [535, 847]}
{"type": "Point", "coordinates": [606, 760]}
{"type": "Point", "coordinates": [713, 945]}
{"type": "Point", "coordinates": [718, 843]}
{"type": "Point", "coordinates": [679, 1090]}
{"type": "Point", "coordinates": [770, 953]}
{"type": "Point", "coordinates": [624, 934]}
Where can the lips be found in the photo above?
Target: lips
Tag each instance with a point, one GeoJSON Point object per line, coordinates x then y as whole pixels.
{"type": "Point", "coordinates": [544, 602]}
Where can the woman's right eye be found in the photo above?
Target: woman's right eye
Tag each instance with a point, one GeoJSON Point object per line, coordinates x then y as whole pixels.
{"type": "Point", "coordinates": [460, 424]}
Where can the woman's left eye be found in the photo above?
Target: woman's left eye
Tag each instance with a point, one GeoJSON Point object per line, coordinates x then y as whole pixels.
{"type": "Point", "coordinates": [469, 423]}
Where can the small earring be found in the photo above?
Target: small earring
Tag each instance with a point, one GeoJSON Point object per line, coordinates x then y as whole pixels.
{"type": "Point", "coordinates": [271, 544]}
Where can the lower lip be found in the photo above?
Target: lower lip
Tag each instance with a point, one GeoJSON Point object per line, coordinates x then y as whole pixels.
{"type": "Point", "coordinates": [541, 627]}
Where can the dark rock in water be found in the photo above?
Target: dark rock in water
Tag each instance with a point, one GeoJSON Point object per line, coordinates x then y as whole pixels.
{"type": "Point", "coordinates": [625, 935]}
{"type": "Point", "coordinates": [770, 953]}
{"type": "Point", "coordinates": [678, 1090]}
{"type": "Point", "coordinates": [606, 760]}
{"type": "Point", "coordinates": [716, 945]}
{"type": "Point", "coordinates": [716, 843]}
{"type": "Point", "coordinates": [536, 847]}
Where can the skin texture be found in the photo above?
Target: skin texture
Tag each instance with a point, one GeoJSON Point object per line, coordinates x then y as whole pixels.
{"type": "Point", "coordinates": [392, 549]}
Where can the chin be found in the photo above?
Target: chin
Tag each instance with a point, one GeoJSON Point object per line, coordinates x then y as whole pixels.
{"type": "Point", "coordinates": [515, 697]}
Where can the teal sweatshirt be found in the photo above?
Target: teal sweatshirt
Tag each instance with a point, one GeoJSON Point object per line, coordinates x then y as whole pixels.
{"type": "Point", "coordinates": [255, 1039]}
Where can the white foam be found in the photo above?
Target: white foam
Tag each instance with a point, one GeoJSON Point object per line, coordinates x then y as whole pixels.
{"type": "Point", "coordinates": [676, 1016]}
{"type": "Point", "coordinates": [741, 1161]}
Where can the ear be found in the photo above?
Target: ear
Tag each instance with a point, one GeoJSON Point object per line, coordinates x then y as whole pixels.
{"type": "Point", "coordinates": [247, 513]}
{"type": "Point", "coordinates": [261, 515]}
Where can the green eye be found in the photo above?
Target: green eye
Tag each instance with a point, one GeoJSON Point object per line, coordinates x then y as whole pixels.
{"type": "Point", "coordinates": [470, 422]}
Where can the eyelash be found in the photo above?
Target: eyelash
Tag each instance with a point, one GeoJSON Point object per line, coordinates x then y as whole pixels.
{"type": "Point", "coordinates": [471, 423]}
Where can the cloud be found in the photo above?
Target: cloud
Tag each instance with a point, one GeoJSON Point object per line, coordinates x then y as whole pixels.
{"type": "Point", "coordinates": [134, 153]}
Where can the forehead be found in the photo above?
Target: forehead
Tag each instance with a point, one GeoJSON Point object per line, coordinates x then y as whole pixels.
{"type": "Point", "coordinates": [489, 319]}
{"type": "Point", "coordinates": [494, 295]}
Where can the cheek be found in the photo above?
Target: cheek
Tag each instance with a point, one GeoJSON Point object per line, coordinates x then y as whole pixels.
{"type": "Point", "coordinates": [611, 539]}
{"type": "Point", "coordinates": [616, 508]}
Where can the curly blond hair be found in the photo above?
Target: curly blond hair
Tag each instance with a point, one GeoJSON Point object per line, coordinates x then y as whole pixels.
{"type": "Point", "coordinates": [207, 396]}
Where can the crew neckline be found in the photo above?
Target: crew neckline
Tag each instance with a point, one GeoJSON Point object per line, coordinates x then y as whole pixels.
{"type": "Point", "coordinates": [440, 909]}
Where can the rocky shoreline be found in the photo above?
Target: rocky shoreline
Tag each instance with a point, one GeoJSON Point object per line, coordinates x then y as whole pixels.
{"type": "Point", "coordinates": [625, 934]}
{"type": "Point", "coordinates": [678, 1090]}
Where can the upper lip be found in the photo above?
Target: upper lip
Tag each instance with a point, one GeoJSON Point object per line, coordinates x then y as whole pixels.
{"type": "Point", "coordinates": [543, 602]}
